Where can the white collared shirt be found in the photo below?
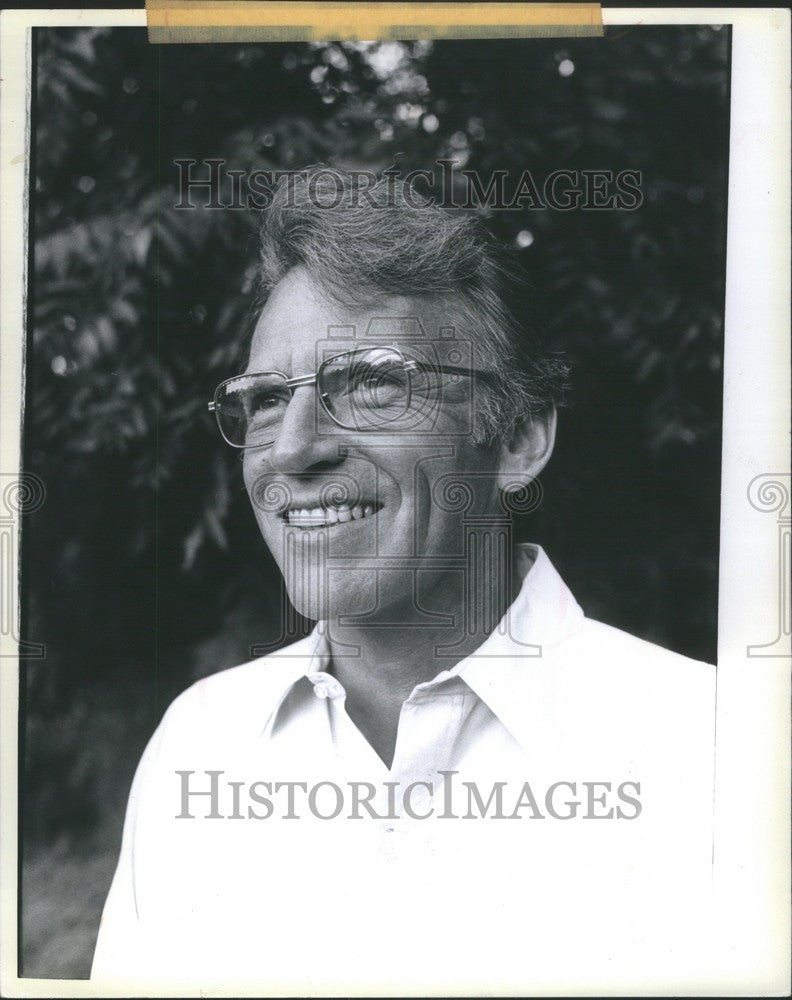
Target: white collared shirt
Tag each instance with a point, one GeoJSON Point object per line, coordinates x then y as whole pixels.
{"type": "Point", "coordinates": [547, 813]}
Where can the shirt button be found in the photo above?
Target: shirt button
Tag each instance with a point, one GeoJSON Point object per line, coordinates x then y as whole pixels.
{"type": "Point", "coordinates": [328, 688]}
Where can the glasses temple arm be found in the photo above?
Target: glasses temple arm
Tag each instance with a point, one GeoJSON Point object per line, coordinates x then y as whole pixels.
{"type": "Point", "coordinates": [485, 376]}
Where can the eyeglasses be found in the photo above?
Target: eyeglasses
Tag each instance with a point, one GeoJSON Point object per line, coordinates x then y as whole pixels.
{"type": "Point", "coordinates": [361, 390]}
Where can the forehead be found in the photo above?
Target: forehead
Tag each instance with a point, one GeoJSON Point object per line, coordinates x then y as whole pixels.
{"type": "Point", "coordinates": [301, 324]}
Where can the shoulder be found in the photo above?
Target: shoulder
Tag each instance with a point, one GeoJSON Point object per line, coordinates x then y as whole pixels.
{"type": "Point", "coordinates": [656, 685]}
{"type": "Point", "coordinates": [623, 651]}
{"type": "Point", "coordinates": [593, 654]}
{"type": "Point", "coordinates": [238, 701]}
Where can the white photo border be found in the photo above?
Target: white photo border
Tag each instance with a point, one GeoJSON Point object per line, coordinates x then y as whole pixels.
{"type": "Point", "coordinates": [751, 944]}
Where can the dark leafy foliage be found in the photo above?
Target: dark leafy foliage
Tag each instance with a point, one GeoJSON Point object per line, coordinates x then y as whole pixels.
{"type": "Point", "coordinates": [143, 568]}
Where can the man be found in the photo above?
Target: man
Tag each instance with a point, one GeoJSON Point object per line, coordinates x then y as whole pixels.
{"type": "Point", "coordinates": [458, 781]}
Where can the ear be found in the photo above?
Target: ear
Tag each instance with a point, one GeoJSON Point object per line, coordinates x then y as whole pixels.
{"type": "Point", "coordinates": [527, 449]}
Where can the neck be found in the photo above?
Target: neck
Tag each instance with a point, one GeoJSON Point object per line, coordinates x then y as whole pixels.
{"type": "Point", "coordinates": [379, 662]}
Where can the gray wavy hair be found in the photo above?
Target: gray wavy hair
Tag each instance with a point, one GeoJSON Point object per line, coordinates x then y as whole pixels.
{"type": "Point", "coordinates": [388, 240]}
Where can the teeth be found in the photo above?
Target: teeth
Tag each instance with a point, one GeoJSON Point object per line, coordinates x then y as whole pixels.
{"type": "Point", "coordinates": [315, 517]}
{"type": "Point", "coordinates": [307, 517]}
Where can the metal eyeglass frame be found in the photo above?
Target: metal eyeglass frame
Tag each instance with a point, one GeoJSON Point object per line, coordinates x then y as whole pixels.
{"type": "Point", "coordinates": [291, 384]}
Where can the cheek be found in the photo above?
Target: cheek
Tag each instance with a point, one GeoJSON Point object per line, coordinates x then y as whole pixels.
{"type": "Point", "coordinates": [249, 479]}
{"type": "Point", "coordinates": [465, 486]}
{"type": "Point", "coordinates": [267, 498]}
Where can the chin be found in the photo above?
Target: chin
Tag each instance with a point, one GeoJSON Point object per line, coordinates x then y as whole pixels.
{"type": "Point", "coordinates": [314, 599]}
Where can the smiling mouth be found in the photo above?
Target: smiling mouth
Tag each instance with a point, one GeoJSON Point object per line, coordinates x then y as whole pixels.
{"type": "Point", "coordinates": [329, 517]}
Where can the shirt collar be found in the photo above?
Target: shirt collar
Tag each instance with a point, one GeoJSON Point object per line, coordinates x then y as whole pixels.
{"type": "Point", "coordinates": [510, 668]}
{"type": "Point", "coordinates": [520, 670]}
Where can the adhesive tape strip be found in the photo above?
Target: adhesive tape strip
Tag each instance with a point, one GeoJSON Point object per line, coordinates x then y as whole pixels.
{"type": "Point", "coordinates": [172, 21]}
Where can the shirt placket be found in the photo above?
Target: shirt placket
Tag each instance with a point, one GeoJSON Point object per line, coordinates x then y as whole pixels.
{"type": "Point", "coordinates": [429, 723]}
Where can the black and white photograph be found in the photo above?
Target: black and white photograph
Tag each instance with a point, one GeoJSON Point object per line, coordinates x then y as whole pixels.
{"type": "Point", "coordinates": [395, 506]}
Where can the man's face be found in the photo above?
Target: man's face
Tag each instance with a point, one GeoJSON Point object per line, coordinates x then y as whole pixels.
{"type": "Point", "coordinates": [350, 516]}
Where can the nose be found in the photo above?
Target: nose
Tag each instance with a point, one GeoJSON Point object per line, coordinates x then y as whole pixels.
{"type": "Point", "coordinates": [304, 442]}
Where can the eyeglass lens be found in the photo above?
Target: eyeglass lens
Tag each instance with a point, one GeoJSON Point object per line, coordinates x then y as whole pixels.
{"type": "Point", "coordinates": [361, 390]}
{"type": "Point", "coordinates": [365, 390]}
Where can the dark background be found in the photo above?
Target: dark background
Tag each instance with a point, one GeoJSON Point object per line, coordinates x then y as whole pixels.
{"type": "Point", "coordinates": [144, 570]}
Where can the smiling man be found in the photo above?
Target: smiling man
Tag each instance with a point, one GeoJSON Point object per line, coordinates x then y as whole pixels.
{"type": "Point", "coordinates": [458, 781]}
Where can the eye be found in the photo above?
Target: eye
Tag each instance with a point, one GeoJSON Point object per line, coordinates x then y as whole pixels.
{"type": "Point", "coordinates": [372, 378]}
{"type": "Point", "coordinates": [378, 386]}
{"type": "Point", "coordinates": [264, 401]}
